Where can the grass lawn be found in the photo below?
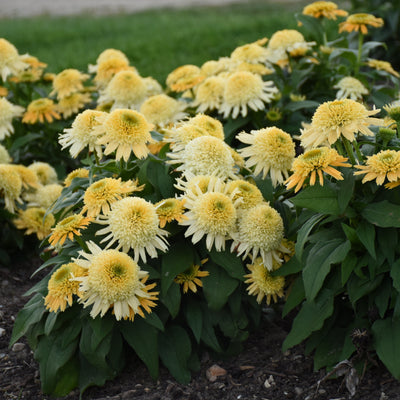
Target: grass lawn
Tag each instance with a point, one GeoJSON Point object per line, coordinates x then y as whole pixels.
{"type": "Point", "coordinates": [156, 42]}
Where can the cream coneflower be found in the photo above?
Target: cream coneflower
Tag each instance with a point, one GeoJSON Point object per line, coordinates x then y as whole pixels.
{"type": "Point", "coordinates": [76, 173]}
{"type": "Point", "coordinates": [350, 87]}
{"type": "Point", "coordinates": [30, 180]}
{"type": "Point", "coordinates": [162, 110]}
{"type": "Point", "coordinates": [209, 94]}
{"type": "Point", "coordinates": [252, 53]}
{"type": "Point", "coordinates": [324, 9]}
{"type": "Point", "coordinates": [10, 61]}
{"type": "Point", "coordinates": [125, 131]}
{"type": "Point", "coordinates": [269, 150]}
{"type": "Point", "coordinates": [44, 171]}
{"type": "Point", "coordinates": [381, 166]}
{"type": "Point", "coordinates": [10, 186]}
{"type": "Point", "coordinates": [108, 68]}
{"type": "Point", "coordinates": [211, 214]}
{"type": "Point", "coordinates": [153, 87]}
{"type": "Point", "coordinates": [41, 110]}
{"type": "Point", "coordinates": [315, 162]}
{"type": "Point", "coordinates": [106, 55]}
{"type": "Point", "coordinates": [68, 228]}
{"type": "Point", "coordinates": [133, 224]}
{"type": "Point", "coordinates": [200, 181]}
{"type": "Point", "coordinates": [184, 77]}
{"type": "Point", "coordinates": [181, 134]}
{"type": "Point", "coordinates": [71, 104]}
{"type": "Point", "coordinates": [82, 133]}
{"type": "Point", "coordinates": [245, 90]}
{"type": "Point", "coordinates": [170, 209]}
{"type": "Point", "coordinates": [382, 66]}
{"type": "Point", "coordinates": [5, 157]}
{"type": "Point", "coordinates": [259, 69]}
{"type": "Point", "coordinates": [337, 118]}
{"type": "Point", "coordinates": [205, 155]}
{"type": "Point", "coordinates": [260, 232]}
{"type": "Point", "coordinates": [8, 112]}
{"type": "Point", "coordinates": [62, 287]}
{"type": "Point", "coordinates": [126, 89]}
{"type": "Point", "coordinates": [216, 67]}
{"type": "Point", "coordinates": [211, 125]}
{"type": "Point", "coordinates": [249, 193]}
{"type": "Point", "coordinates": [262, 284]}
{"type": "Point", "coordinates": [359, 22]}
{"type": "Point", "coordinates": [35, 220]}
{"type": "Point", "coordinates": [101, 194]}
{"type": "Point", "coordinates": [67, 82]}
{"type": "Point", "coordinates": [191, 278]}
{"type": "Point", "coordinates": [114, 281]}
{"type": "Point", "coordinates": [44, 196]}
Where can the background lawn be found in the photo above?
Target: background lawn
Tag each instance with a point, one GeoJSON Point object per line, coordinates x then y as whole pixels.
{"type": "Point", "coordinates": [156, 42]}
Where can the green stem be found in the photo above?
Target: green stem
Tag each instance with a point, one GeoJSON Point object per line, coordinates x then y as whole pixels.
{"type": "Point", "coordinates": [81, 243]}
{"type": "Point", "coordinates": [360, 44]}
{"type": "Point", "coordinates": [339, 148]}
{"type": "Point", "coordinates": [358, 152]}
{"type": "Point", "coordinates": [349, 150]}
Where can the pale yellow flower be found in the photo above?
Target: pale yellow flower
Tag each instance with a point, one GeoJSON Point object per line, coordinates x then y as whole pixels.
{"type": "Point", "coordinates": [190, 278]}
{"type": "Point", "coordinates": [358, 23]}
{"type": "Point", "coordinates": [184, 77]}
{"type": "Point", "coordinates": [8, 112]}
{"type": "Point", "coordinates": [10, 186]}
{"type": "Point", "coordinates": [35, 220]}
{"type": "Point", "coordinates": [170, 209]}
{"type": "Point", "coordinates": [324, 9]}
{"type": "Point", "coordinates": [249, 193]}
{"type": "Point", "coordinates": [209, 94]}
{"type": "Point", "coordinates": [382, 66]}
{"type": "Point", "coordinates": [350, 87]}
{"type": "Point", "coordinates": [10, 60]}
{"type": "Point", "coordinates": [67, 228]}
{"type": "Point", "coordinates": [44, 171]}
{"type": "Point", "coordinates": [71, 104]}
{"type": "Point", "coordinates": [67, 82]}
{"type": "Point", "coordinates": [41, 110]}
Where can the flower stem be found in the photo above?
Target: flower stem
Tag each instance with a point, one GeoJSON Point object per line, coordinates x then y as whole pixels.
{"type": "Point", "coordinates": [360, 44]}
{"type": "Point", "coordinates": [349, 150]}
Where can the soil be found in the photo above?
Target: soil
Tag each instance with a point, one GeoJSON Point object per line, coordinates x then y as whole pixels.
{"type": "Point", "coordinates": [260, 372]}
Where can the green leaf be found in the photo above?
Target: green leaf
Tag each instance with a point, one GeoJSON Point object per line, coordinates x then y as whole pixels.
{"type": "Point", "coordinates": [322, 199]}
{"type": "Point", "coordinates": [52, 356]}
{"type": "Point", "coordinates": [310, 318]}
{"type": "Point", "coordinates": [348, 265]}
{"type": "Point", "coordinates": [179, 258]}
{"type": "Point", "coordinates": [395, 274]}
{"type": "Point", "coordinates": [31, 314]}
{"type": "Point", "coordinates": [154, 320]}
{"type": "Point", "coordinates": [345, 189]}
{"type": "Point", "coordinates": [229, 262]}
{"type": "Point", "coordinates": [295, 297]}
{"type": "Point", "coordinates": [322, 255]}
{"type": "Point", "coordinates": [89, 374]}
{"type": "Point", "coordinates": [300, 105]}
{"type": "Point", "coordinates": [312, 26]}
{"type": "Point", "coordinates": [358, 287]}
{"type": "Point", "coordinates": [366, 234]}
{"type": "Point", "coordinates": [383, 214]}
{"type": "Point", "coordinates": [266, 187]}
{"type": "Point", "coordinates": [304, 232]}
{"type": "Point", "coordinates": [172, 299]}
{"type": "Point", "coordinates": [218, 286]}
{"type": "Point", "coordinates": [208, 335]}
{"type": "Point", "coordinates": [386, 334]}
{"type": "Point", "coordinates": [388, 242]}
{"type": "Point", "coordinates": [288, 268]}
{"type": "Point", "coordinates": [382, 296]}
{"type": "Point", "coordinates": [50, 321]}
{"type": "Point", "coordinates": [68, 378]}
{"type": "Point", "coordinates": [159, 177]}
{"type": "Point", "coordinates": [175, 349]}
{"type": "Point", "coordinates": [194, 318]}
{"type": "Point", "coordinates": [143, 338]}
{"type": "Point", "coordinates": [23, 140]}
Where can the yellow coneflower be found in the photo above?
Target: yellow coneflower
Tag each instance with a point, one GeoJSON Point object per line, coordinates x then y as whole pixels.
{"type": "Point", "coordinates": [216, 67]}
{"type": "Point", "coordinates": [82, 133]}
{"type": "Point", "coordinates": [245, 90]}
{"type": "Point", "coordinates": [162, 110]}
{"type": "Point", "coordinates": [10, 186]}
{"type": "Point", "coordinates": [211, 125]}
{"type": "Point", "coordinates": [324, 9]}
{"type": "Point", "coordinates": [382, 66]}
{"type": "Point", "coordinates": [67, 82]}
{"type": "Point", "coordinates": [62, 287]}
{"type": "Point", "coordinates": [101, 194]}
{"type": "Point", "coordinates": [106, 55]}
{"type": "Point", "coordinates": [125, 131]}
{"type": "Point", "coordinates": [41, 110]}
{"type": "Point", "coordinates": [262, 284]}
{"type": "Point", "coordinates": [44, 196]}
{"type": "Point", "coordinates": [72, 103]}
{"type": "Point", "coordinates": [10, 60]}
{"type": "Point", "coordinates": [269, 150]}
{"type": "Point", "coordinates": [8, 112]}
{"type": "Point", "coordinates": [153, 87]}
{"type": "Point", "coordinates": [108, 68]}
{"type": "Point", "coordinates": [68, 228]}
{"type": "Point", "coordinates": [170, 209]}
{"type": "Point", "coordinates": [114, 281]}
{"type": "Point", "coordinates": [44, 171]}
{"type": "Point", "coordinates": [190, 278]}
{"type": "Point", "coordinates": [209, 94]}
{"type": "Point", "coordinates": [33, 220]}
{"type": "Point", "coordinates": [30, 180]}
{"type": "Point", "coordinates": [5, 157]}
{"type": "Point", "coordinates": [381, 166]}
{"type": "Point", "coordinates": [359, 22]}
{"type": "Point", "coordinates": [337, 118]}
{"type": "Point", "coordinates": [314, 162]}
{"type": "Point", "coordinates": [76, 173]}
{"type": "Point", "coordinates": [350, 87]}
{"type": "Point", "coordinates": [184, 77]}
{"type": "Point", "coordinates": [252, 53]}
{"type": "Point", "coordinates": [260, 232]}
{"type": "Point", "coordinates": [133, 224]}
{"type": "Point", "coordinates": [249, 193]}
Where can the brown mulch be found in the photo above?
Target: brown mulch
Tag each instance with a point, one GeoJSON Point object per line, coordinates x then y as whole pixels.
{"type": "Point", "coordinates": [261, 371]}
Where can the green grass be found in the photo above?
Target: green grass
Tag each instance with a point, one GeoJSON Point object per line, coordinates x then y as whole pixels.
{"type": "Point", "coordinates": [156, 42]}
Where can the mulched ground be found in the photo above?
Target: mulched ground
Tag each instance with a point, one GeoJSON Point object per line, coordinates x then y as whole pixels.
{"type": "Point", "coordinates": [261, 371]}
